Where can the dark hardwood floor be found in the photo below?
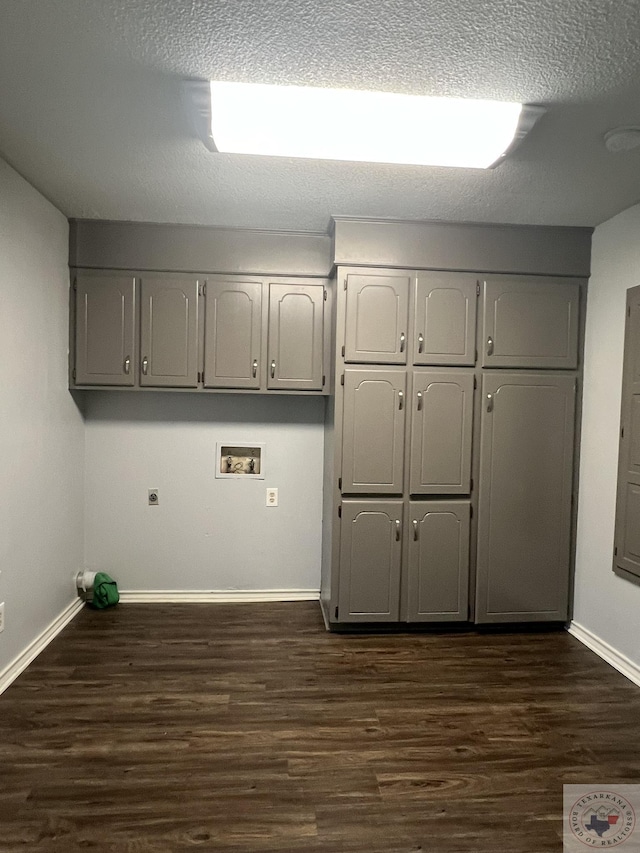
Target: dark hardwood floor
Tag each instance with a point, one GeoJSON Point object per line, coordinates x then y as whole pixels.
{"type": "Point", "coordinates": [249, 728]}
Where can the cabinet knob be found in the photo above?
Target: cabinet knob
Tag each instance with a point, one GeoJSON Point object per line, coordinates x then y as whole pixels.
{"type": "Point", "coordinates": [415, 530]}
{"type": "Point", "coordinates": [489, 402]}
{"type": "Point", "coordinates": [489, 346]}
{"type": "Point", "coordinates": [402, 341]}
{"type": "Point", "coordinates": [255, 368]}
{"type": "Point", "coordinates": [273, 370]}
{"type": "Point", "coordinates": [420, 342]}
{"type": "Point", "coordinates": [419, 401]}
{"type": "Point", "coordinates": [145, 366]}
{"type": "Point", "coordinates": [400, 399]}
{"type": "Point", "coordinates": [127, 365]}
{"type": "Point", "coordinates": [397, 529]}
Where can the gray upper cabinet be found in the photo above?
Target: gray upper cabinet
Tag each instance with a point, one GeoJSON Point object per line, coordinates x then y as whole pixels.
{"type": "Point", "coordinates": [441, 432]}
{"type": "Point", "coordinates": [530, 322]}
{"type": "Point", "coordinates": [376, 317]}
{"type": "Point", "coordinates": [445, 318]}
{"type": "Point", "coordinates": [105, 329]}
{"type": "Point", "coordinates": [296, 337]}
{"type": "Point", "coordinates": [169, 331]}
{"type": "Point", "coordinates": [370, 559]}
{"type": "Point", "coordinates": [627, 537]}
{"type": "Point", "coordinates": [233, 333]}
{"type": "Point", "coordinates": [438, 566]}
{"type": "Point", "coordinates": [524, 520]}
{"type": "Point", "coordinates": [373, 431]}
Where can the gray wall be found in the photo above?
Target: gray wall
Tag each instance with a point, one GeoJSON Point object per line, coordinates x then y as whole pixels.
{"type": "Point", "coordinates": [206, 533]}
{"type": "Point", "coordinates": [606, 605]}
{"type": "Point", "coordinates": [41, 430]}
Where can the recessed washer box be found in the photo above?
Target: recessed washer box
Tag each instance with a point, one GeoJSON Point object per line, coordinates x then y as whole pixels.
{"type": "Point", "coordinates": [240, 461]}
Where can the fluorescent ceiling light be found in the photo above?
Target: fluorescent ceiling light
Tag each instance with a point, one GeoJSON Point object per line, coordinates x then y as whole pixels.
{"type": "Point", "coordinates": [341, 124]}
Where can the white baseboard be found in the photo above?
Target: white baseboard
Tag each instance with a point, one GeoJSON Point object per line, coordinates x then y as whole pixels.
{"type": "Point", "coordinates": [19, 664]}
{"type": "Point", "coordinates": [612, 656]}
{"type": "Point", "coordinates": [222, 596]}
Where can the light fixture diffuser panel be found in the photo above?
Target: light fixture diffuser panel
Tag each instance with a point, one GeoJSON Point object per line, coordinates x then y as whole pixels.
{"type": "Point", "coordinates": [379, 127]}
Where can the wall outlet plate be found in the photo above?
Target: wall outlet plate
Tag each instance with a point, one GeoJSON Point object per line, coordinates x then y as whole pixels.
{"type": "Point", "coordinates": [154, 497]}
{"type": "Point", "coordinates": [272, 497]}
{"type": "Point", "coordinates": [1, 617]}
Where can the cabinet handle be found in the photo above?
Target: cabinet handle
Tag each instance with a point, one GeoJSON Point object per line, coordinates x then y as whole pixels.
{"type": "Point", "coordinates": [419, 401]}
{"type": "Point", "coordinates": [145, 365]}
{"type": "Point", "coordinates": [489, 402]}
{"type": "Point", "coordinates": [420, 342]}
{"type": "Point", "coordinates": [401, 341]}
{"type": "Point", "coordinates": [400, 399]}
{"type": "Point", "coordinates": [489, 346]}
{"type": "Point", "coordinates": [415, 530]}
{"type": "Point", "coordinates": [397, 530]}
{"type": "Point", "coordinates": [273, 370]}
{"type": "Point", "coordinates": [127, 365]}
{"type": "Point", "coordinates": [255, 368]}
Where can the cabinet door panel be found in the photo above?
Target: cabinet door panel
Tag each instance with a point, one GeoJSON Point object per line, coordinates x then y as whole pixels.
{"type": "Point", "coordinates": [445, 319]}
{"type": "Point", "coordinates": [530, 322]}
{"type": "Point", "coordinates": [441, 432]}
{"type": "Point", "coordinates": [627, 539]}
{"type": "Point", "coordinates": [296, 328]}
{"type": "Point", "coordinates": [373, 442]}
{"type": "Point", "coordinates": [524, 521]}
{"type": "Point", "coordinates": [370, 554]}
{"type": "Point", "coordinates": [376, 319]}
{"type": "Point", "coordinates": [438, 571]}
{"type": "Point", "coordinates": [169, 332]}
{"type": "Point", "coordinates": [628, 556]}
{"type": "Point", "coordinates": [105, 311]}
{"type": "Point", "coordinates": [233, 334]}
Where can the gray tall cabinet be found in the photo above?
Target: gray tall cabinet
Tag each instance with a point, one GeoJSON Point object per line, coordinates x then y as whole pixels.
{"type": "Point", "coordinates": [451, 432]}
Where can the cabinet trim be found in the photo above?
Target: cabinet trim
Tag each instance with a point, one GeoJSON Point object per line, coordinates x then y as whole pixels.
{"type": "Point", "coordinates": [162, 247]}
{"type": "Point", "coordinates": [467, 247]}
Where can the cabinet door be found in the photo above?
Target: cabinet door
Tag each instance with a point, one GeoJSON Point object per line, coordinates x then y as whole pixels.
{"type": "Point", "coordinates": [296, 328]}
{"type": "Point", "coordinates": [169, 332]}
{"type": "Point", "coordinates": [105, 311]}
{"type": "Point", "coordinates": [524, 519]}
{"type": "Point", "coordinates": [376, 318]}
{"type": "Point", "coordinates": [233, 333]}
{"type": "Point", "coordinates": [445, 318]}
{"type": "Point", "coordinates": [441, 432]}
{"type": "Point", "coordinates": [438, 568]}
{"type": "Point", "coordinates": [627, 538]}
{"type": "Point", "coordinates": [370, 553]}
{"type": "Point", "coordinates": [530, 322]}
{"type": "Point", "coordinates": [373, 431]}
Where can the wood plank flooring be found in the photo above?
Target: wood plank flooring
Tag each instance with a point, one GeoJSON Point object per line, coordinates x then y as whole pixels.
{"type": "Point", "coordinates": [248, 728]}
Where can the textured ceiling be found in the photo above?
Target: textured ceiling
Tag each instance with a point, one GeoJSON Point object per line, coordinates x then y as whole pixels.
{"type": "Point", "coordinates": [90, 107]}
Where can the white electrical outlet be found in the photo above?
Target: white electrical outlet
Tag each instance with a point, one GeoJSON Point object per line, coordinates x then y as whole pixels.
{"type": "Point", "coordinates": [1, 617]}
{"type": "Point", "coordinates": [272, 497]}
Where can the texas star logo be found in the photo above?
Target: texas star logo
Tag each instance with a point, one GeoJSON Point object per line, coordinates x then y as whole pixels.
{"type": "Point", "coordinates": [602, 819]}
